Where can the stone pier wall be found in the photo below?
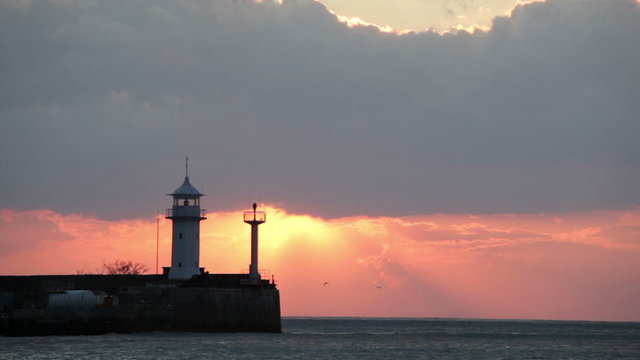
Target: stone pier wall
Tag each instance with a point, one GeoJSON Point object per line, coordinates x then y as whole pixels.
{"type": "Point", "coordinates": [207, 303]}
{"type": "Point", "coordinates": [254, 309]}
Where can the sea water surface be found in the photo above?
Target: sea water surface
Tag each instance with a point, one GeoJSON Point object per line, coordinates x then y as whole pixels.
{"type": "Point", "coordinates": [354, 339]}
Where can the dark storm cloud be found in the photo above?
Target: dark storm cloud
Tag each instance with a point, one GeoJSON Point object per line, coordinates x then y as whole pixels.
{"type": "Point", "coordinates": [100, 101]}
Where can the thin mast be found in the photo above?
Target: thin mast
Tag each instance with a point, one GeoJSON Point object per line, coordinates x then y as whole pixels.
{"type": "Point", "coordinates": [157, 242]}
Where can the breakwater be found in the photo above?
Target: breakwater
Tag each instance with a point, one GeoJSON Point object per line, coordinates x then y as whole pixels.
{"type": "Point", "coordinates": [134, 303]}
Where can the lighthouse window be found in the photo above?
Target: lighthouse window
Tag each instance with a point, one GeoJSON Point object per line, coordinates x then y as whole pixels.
{"type": "Point", "coordinates": [180, 235]}
{"type": "Point", "coordinates": [179, 264]}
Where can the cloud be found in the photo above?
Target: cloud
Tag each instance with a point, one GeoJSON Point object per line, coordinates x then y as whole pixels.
{"type": "Point", "coordinates": [16, 4]}
{"type": "Point", "coordinates": [79, 3]}
{"type": "Point", "coordinates": [285, 102]}
{"type": "Point", "coordinates": [23, 231]}
{"type": "Point", "coordinates": [421, 266]}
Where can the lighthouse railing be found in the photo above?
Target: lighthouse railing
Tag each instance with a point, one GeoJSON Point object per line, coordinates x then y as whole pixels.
{"type": "Point", "coordinates": [260, 216]}
{"type": "Point", "coordinates": [186, 211]}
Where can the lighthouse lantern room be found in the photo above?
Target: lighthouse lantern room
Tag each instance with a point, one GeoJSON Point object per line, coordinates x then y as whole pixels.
{"type": "Point", "coordinates": [185, 215]}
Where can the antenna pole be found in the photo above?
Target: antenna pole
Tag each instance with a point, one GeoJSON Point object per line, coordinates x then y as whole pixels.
{"type": "Point", "coordinates": [157, 243]}
{"type": "Point", "coordinates": [186, 167]}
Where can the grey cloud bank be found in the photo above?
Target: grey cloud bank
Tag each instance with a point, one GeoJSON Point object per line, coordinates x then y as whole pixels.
{"type": "Point", "coordinates": [100, 101]}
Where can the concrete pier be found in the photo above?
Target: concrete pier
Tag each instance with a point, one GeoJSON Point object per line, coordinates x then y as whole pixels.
{"type": "Point", "coordinates": [205, 303]}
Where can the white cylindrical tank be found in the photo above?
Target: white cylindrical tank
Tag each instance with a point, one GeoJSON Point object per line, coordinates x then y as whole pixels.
{"type": "Point", "coordinates": [73, 299]}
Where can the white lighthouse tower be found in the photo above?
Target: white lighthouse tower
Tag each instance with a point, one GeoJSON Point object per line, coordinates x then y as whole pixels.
{"type": "Point", "coordinates": [255, 219]}
{"type": "Point", "coordinates": [186, 216]}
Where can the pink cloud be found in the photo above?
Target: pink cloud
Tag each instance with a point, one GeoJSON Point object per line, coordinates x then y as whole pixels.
{"type": "Point", "coordinates": [554, 266]}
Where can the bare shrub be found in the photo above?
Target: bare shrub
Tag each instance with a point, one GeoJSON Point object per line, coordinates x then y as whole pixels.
{"type": "Point", "coordinates": [124, 267]}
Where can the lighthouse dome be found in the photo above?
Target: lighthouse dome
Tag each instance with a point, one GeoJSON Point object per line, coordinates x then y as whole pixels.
{"type": "Point", "coordinates": [186, 190]}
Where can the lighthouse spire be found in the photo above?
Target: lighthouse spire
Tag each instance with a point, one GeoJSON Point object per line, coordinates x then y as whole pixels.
{"type": "Point", "coordinates": [186, 166]}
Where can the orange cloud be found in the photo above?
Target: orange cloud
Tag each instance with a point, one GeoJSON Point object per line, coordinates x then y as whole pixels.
{"type": "Point", "coordinates": [561, 266]}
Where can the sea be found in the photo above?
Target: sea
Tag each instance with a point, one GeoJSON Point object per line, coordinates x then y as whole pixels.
{"type": "Point", "coordinates": [354, 338]}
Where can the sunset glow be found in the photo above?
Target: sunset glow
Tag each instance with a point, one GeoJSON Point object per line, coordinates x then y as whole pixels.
{"type": "Point", "coordinates": [564, 266]}
{"type": "Point", "coordinates": [419, 16]}
{"type": "Point", "coordinates": [356, 21]}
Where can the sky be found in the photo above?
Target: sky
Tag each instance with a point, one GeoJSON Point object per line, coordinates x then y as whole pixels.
{"type": "Point", "coordinates": [422, 15]}
{"type": "Point", "coordinates": [419, 168]}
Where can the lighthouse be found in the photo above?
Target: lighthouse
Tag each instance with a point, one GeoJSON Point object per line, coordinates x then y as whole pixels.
{"type": "Point", "coordinates": [185, 215]}
{"type": "Point", "coordinates": [254, 218]}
